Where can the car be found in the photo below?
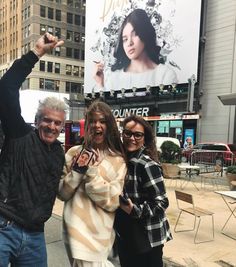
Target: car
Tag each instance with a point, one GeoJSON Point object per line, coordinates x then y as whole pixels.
{"type": "Point", "coordinates": [211, 152]}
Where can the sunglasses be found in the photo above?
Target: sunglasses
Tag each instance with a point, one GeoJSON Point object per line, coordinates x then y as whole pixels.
{"type": "Point", "coordinates": [136, 135]}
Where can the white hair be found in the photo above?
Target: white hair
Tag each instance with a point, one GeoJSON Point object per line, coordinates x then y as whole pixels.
{"type": "Point", "coordinates": [50, 102]}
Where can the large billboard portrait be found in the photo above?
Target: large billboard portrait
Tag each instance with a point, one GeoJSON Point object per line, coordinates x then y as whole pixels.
{"type": "Point", "coordinates": [140, 43]}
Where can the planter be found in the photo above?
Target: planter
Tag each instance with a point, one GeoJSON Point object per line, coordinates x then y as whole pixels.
{"type": "Point", "coordinates": [170, 170]}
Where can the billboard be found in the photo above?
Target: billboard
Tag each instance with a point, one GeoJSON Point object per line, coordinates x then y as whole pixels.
{"type": "Point", "coordinates": [140, 43]}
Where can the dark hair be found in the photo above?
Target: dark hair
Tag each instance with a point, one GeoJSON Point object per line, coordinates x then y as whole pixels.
{"type": "Point", "coordinates": [146, 32]}
{"type": "Point", "coordinates": [149, 138]}
{"type": "Point", "coordinates": [112, 139]}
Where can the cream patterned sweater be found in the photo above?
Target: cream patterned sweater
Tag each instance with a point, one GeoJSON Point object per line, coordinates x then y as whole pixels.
{"type": "Point", "coordinates": [90, 203]}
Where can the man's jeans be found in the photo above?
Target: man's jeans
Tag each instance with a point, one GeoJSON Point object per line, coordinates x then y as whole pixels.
{"type": "Point", "coordinates": [21, 248]}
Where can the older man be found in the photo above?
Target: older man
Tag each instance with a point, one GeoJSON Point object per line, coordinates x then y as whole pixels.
{"type": "Point", "coordinates": [31, 163]}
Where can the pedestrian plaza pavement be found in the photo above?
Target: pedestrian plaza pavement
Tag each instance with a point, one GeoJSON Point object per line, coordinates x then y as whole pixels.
{"type": "Point", "coordinates": [181, 251]}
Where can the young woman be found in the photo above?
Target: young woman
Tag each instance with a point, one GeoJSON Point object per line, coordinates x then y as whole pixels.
{"type": "Point", "coordinates": [92, 193]}
{"type": "Point", "coordinates": [137, 57]}
{"type": "Point", "coordinates": [141, 224]}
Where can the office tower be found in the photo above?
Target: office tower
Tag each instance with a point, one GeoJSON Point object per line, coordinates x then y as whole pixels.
{"type": "Point", "coordinates": [24, 21]}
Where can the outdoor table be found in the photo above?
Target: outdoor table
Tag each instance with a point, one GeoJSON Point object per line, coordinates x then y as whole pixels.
{"type": "Point", "coordinates": [225, 195]}
{"type": "Point", "coordinates": [190, 171]}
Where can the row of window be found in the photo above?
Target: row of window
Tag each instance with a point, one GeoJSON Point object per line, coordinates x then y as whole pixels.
{"type": "Point", "coordinates": [76, 3]}
{"type": "Point", "coordinates": [49, 84]}
{"type": "Point", "coordinates": [49, 13]}
{"type": "Point", "coordinates": [3, 43]}
{"type": "Point", "coordinates": [75, 71]}
{"type": "Point", "coordinates": [25, 14]}
{"type": "Point", "coordinates": [75, 53]}
{"type": "Point", "coordinates": [70, 17]}
{"type": "Point", "coordinates": [3, 58]}
{"type": "Point", "coordinates": [14, 21]}
{"type": "Point", "coordinates": [13, 38]}
{"type": "Point", "coordinates": [70, 35]}
{"type": "Point", "coordinates": [56, 68]}
{"type": "Point", "coordinates": [3, 27]}
{"type": "Point", "coordinates": [49, 66]}
{"type": "Point", "coordinates": [77, 37]}
{"type": "Point", "coordinates": [25, 31]}
{"type": "Point", "coordinates": [13, 5]}
{"type": "Point", "coordinates": [54, 85]}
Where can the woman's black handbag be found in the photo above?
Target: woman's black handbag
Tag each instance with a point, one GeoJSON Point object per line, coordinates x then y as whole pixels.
{"type": "Point", "coordinates": [131, 232]}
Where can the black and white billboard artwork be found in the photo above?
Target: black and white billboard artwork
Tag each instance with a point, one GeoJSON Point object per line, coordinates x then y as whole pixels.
{"type": "Point", "coordinates": [140, 43]}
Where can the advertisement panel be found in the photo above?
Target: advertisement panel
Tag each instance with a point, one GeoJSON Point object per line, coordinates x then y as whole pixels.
{"type": "Point", "coordinates": [140, 43]}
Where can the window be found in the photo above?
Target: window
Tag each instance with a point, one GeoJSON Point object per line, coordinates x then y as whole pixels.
{"type": "Point", "coordinates": [81, 72]}
{"type": "Point", "coordinates": [82, 54]}
{"type": "Point", "coordinates": [76, 37]}
{"type": "Point", "coordinates": [50, 13]}
{"type": "Point", "coordinates": [50, 64]}
{"type": "Point", "coordinates": [58, 1]}
{"type": "Point", "coordinates": [70, 3]}
{"type": "Point", "coordinates": [57, 51]}
{"type": "Point", "coordinates": [43, 11]}
{"type": "Point", "coordinates": [57, 85]}
{"type": "Point", "coordinates": [77, 19]}
{"type": "Point", "coordinates": [69, 52]}
{"type": "Point", "coordinates": [69, 35]}
{"type": "Point", "coordinates": [58, 15]}
{"type": "Point", "coordinates": [83, 21]}
{"type": "Point", "coordinates": [77, 3]}
{"type": "Point", "coordinates": [42, 65]}
{"type": "Point", "coordinates": [50, 29]}
{"type": "Point", "coordinates": [67, 86]}
{"type": "Point", "coordinates": [73, 87]}
{"type": "Point", "coordinates": [69, 18]}
{"type": "Point", "coordinates": [41, 83]}
{"type": "Point", "coordinates": [49, 85]}
{"type": "Point", "coordinates": [42, 29]}
{"type": "Point", "coordinates": [82, 37]}
{"type": "Point", "coordinates": [76, 53]}
{"type": "Point", "coordinates": [57, 67]}
{"type": "Point", "coordinates": [58, 32]}
{"type": "Point", "coordinates": [28, 11]}
{"type": "Point", "coordinates": [68, 69]}
{"type": "Point", "coordinates": [76, 71]}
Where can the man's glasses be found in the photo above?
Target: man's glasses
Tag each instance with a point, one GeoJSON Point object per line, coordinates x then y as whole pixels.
{"type": "Point", "coordinates": [137, 135]}
{"type": "Point", "coordinates": [46, 120]}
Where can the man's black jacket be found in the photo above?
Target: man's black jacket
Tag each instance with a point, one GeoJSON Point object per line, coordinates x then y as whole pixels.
{"type": "Point", "coordinates": [30, 170]}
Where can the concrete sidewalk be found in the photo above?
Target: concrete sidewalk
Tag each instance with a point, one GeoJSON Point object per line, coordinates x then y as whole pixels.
{"type": "Point", "coordinates": [181, 251]}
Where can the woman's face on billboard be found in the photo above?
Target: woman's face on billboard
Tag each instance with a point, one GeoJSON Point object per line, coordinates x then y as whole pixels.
{"type": "Point", "coordinates": [132, 44]}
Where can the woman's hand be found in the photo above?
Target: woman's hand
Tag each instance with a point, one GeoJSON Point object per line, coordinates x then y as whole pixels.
{"type": "Point", "coordinates": [99, 74]}
{"type": "Point", "coordinates": [127, 207]}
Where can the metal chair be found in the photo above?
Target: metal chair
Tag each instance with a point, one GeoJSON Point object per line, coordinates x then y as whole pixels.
{"type": "Point", "coordinates": [213, 177]}
{"type": "Point", "coordinates": [185, 204]}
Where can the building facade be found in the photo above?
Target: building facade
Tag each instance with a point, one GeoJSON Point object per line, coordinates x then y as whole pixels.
{"type": "Point", "coordinates": [22, 22]}
{"type": "Point", "coordinates": [218, 72]}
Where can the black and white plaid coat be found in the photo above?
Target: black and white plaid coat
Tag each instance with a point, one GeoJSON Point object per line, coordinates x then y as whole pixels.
{"type": "Point", "coordinates": [145, 187]}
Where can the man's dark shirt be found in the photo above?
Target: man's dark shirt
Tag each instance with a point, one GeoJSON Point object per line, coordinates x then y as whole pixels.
{"type": "Point", "coordinates": [29, 169]}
